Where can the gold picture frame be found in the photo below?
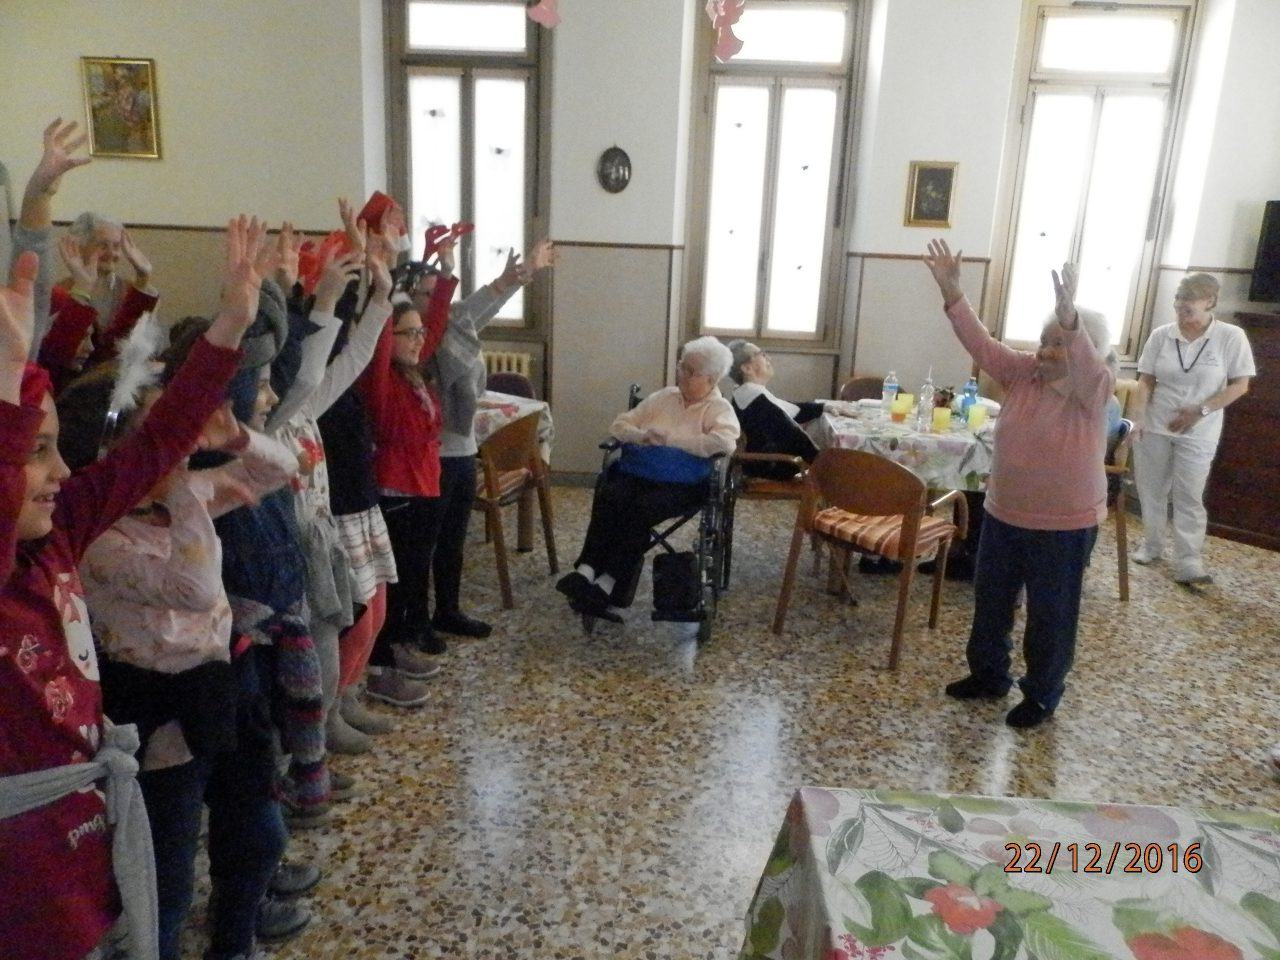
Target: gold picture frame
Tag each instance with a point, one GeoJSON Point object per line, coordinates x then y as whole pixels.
{"type": "Point", "coordinates": [931, 189]}
{"type": "Point", "coordinates": [120, 103]}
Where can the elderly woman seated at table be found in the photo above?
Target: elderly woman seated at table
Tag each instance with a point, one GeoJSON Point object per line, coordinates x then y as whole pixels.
{"type": "Point", "coordinates": [667, 442]}
{"type": "Point", "coordinates": [769, 423]}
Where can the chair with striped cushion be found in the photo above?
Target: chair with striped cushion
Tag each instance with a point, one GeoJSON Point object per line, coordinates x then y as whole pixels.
{"type": "Point", "coordinates": [512, 471]}
{"type": "Point", "coordinates": [857, 501]}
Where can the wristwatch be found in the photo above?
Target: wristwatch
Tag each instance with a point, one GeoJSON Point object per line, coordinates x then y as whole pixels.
{"type": "Point", "coordinates": [1204, 410]}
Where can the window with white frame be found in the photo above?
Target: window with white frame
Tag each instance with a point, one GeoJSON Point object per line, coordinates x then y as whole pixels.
{"type": "Point", "coordinates": [766, 239]}
{"type": "Point", "coordinates": [464, 129]}
{"type": "Point", "coordinates": [1094, 155]}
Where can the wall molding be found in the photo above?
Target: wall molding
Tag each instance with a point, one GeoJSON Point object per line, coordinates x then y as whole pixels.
{"type": "Point", "coordinates": [865, 255]}
{"type": "Point", "coordinates": [1173, 268]}
{"type": "Point", "coordinates": [619, 246]}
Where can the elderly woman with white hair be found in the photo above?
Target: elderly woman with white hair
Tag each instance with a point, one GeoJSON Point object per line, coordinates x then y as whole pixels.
{"type": "Point", "coordinates": [91, 309]}
{"type": "Point", "coordinates": [1046, 495]}
{"type": "Point", "coordinates": [667, 442]}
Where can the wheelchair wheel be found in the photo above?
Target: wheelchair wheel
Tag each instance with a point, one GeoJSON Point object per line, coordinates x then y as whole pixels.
{"type": "Point", "coordinates": [711, 556]}
{"type": "Point", "coordinates": [730, 507]}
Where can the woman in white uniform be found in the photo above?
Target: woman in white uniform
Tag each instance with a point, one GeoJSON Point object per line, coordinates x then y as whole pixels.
{"type": "Point", "coordinates": [1188, 372]}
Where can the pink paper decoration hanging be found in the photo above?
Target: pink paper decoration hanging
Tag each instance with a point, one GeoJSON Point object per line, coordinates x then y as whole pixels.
{"type": "Point", "coordinates": [545, 12]}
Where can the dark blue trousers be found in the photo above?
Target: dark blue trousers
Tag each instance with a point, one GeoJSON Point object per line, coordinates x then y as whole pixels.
{"type": "Point", "coordinates": [246, 836]}
{"type": "Point", "coordinates": [1051, 565]}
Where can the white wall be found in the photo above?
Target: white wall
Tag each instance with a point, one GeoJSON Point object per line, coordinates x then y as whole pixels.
{"type": "Point", "coordinates": [261, 104]}
{"type": "Point", "coordinates": [941, 93]}
{"type": "Point", "coordinates": [1242, 169]}
{"type": "Point", "coordinates": [622, 78]}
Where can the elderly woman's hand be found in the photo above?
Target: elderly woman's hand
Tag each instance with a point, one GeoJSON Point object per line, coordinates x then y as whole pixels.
{"type": "Point", "coordinates": [654, 437]}
{"type": "Point", "coordinates": [945, 269]}
{"type": "Point", "coordinates": [1064, 291]}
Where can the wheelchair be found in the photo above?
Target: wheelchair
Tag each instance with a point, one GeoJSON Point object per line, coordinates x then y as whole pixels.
{"type": "Point", "coordinates": [709, 545]}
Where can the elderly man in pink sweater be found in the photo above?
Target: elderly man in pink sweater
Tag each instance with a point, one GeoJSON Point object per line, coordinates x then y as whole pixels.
{"type": "Point", "coordinates": [1046, 496]}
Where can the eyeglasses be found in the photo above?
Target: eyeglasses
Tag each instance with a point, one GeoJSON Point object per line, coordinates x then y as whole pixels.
{"type": "Point", "coordinates": [417, 333]}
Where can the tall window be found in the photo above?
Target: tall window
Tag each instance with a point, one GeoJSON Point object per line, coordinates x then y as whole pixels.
{"type": "Point", "coordinates": [465, 118]}
{"type": "Point", "coordinates": [1095, 146]}
{"type": "Point", "coordinates": [767, 235]}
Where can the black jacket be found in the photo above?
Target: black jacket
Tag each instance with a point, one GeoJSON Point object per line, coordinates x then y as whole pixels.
{"type": "Point", "coordinates": [767, 429]}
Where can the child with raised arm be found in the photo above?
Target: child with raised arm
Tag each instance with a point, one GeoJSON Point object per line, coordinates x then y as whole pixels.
{"type": "Point", "coordinates": [59, 895]}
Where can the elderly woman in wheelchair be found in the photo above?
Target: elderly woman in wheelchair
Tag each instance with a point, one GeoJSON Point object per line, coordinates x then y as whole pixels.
{"type": "Point", "coordinates": [667, 442]}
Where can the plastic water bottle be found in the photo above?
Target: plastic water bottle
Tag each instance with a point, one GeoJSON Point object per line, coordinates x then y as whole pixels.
{"type": "Point", "coordinates": [924, 412]}
{"type": "Point", "coordinates": [888, 392]}
{"type": "Point", "coordinates": [969, 397]}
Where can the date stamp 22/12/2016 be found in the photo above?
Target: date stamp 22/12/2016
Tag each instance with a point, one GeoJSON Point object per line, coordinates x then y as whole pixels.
{"type": "Point", "coordinates": [1095, 858]}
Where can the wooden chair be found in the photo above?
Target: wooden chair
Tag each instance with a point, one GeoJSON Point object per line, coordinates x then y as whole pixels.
{"type": "Point", "coordinates": [511, 471]}
{"type": "Point", "coordinates": [861, 388]}
{"type": "Point", "coordinates": [854, 500]}
{"type": "Point", "coordinates": [1117, 467]}
{"type": "Point", "coordinates": [516, 384]}
{"type": "Point", "coordinates": [742, 485]}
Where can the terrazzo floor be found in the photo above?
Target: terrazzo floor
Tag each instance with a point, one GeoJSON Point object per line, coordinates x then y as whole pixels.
{"type": "Point", "coordinates": [617, 795]}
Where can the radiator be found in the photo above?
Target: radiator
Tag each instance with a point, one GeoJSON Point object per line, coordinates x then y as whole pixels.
{"type": "Point", "coordinates": [505, 362]}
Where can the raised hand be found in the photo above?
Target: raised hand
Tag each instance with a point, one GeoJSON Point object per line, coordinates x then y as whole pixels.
{"type": "Point", "coordinates": [513, 274]}
{"type": "Point", "coordinates": [379, 245]}
{"type": "Point", "coordinates": [84, 273]}
{"type": "Point", "coordinates": [141, 265]}
{"type": "Point", "coordinates": [337, 271]}
{"type": "Point", "coordinates": [60, 144]}
{"type": "Point", "coordinates": [544, 254]}
{"type": "Point", "coordinates": [945, 268]}
{"type": "Point", "coordinates": [241, 281]}
{"type": "Point", "coordinates": [222, 431]}
{"type": "Point", "coordinates": [1064, 292]}
{"type": "Point", "coordinates": [380, 277]}
{"type": "Point", "coordinates": [355, 231]}
{"type": "Point", "coordinates": [17, 318]}
{"type": "Point", "coordinates": [445, 252]}
{"type": "Point", "coordinates": [288, 246]}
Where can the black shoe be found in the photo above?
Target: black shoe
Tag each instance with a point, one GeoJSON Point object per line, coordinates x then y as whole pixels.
{"type": "Point", "coordinates": [878, 566]}
{"type": "Point", "coordinates": [575, 586]}
{"type": "Point", "coordinates": [1027, 714]}
{"type": "Point", "coordinates": [429, 642]}
{"type": "Point", "coordinates": [594, 602]}
{"type": "Point", "coordinates": [971, 688]}
{"type": "Point", "coordinates": [459, 624]}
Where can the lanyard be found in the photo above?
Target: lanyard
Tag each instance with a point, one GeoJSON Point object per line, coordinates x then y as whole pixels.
{"type": "Point", "coordinates": [1187, 369]}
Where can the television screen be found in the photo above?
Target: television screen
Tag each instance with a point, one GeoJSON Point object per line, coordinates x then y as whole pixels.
{"type": "Point", "coordinates": [1265, 286]}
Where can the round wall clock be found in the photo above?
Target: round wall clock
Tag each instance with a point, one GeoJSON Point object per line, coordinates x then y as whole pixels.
{"type": "Point", "coordinates": [614, 170]}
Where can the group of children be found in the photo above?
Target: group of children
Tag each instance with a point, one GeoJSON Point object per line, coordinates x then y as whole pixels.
{"type": "Point", "coordinates": [210, 539]}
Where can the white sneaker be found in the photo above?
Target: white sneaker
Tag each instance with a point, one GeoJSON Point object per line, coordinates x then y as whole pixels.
{"type": "Point", "coordinates": [1192, 576]}
{"type": "Point", "coordinates": [1145, 555]}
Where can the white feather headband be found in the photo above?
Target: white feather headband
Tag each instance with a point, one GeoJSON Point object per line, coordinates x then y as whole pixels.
{"type": "Point", "coordinates": [137, 372]}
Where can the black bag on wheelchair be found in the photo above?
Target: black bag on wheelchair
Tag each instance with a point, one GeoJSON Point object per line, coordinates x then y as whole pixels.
{"type": "Point", "coordinates": [677, 587]}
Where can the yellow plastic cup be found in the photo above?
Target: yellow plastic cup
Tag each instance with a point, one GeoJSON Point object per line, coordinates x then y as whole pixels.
{"type": "Point", "coordinates": [902, 404]}
{"type": "Point", "coordinates": [977, 416]}
{"type": "Point", "coordinates": [941, 419]}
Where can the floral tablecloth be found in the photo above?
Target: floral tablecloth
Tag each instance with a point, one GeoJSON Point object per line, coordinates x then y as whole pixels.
{"type": "Point", "coordinates": [957, 460]}
{"type": "Point", "coordinates": [496, 410]}
{"type": "Point", "coordinates": [878, 874]}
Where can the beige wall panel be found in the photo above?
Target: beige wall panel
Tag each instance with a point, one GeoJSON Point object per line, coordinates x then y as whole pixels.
{"type": "Point", "coordinates": [188, 270]}
{"type": "Point", "coordinates": [901, 326]}
{"type": "Point", "coordinates": [609, 329]}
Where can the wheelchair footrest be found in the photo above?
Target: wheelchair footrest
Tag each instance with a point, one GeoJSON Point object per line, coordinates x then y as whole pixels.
{"type": "Point", "coordinates": [679, 616]}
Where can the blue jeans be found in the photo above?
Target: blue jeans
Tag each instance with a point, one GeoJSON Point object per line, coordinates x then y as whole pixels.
{"type": "Point", "coordinates": [246, 838]}
{"type": "Point", "coordinates": [1050, 564]}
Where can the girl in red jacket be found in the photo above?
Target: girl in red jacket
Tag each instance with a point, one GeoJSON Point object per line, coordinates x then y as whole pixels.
{"type": "Point", "coordinates": [58, 896]}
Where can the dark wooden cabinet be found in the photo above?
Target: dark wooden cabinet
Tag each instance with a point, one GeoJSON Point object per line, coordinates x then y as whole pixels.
{"type": "Point", "coordinates": [1243, 495]}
